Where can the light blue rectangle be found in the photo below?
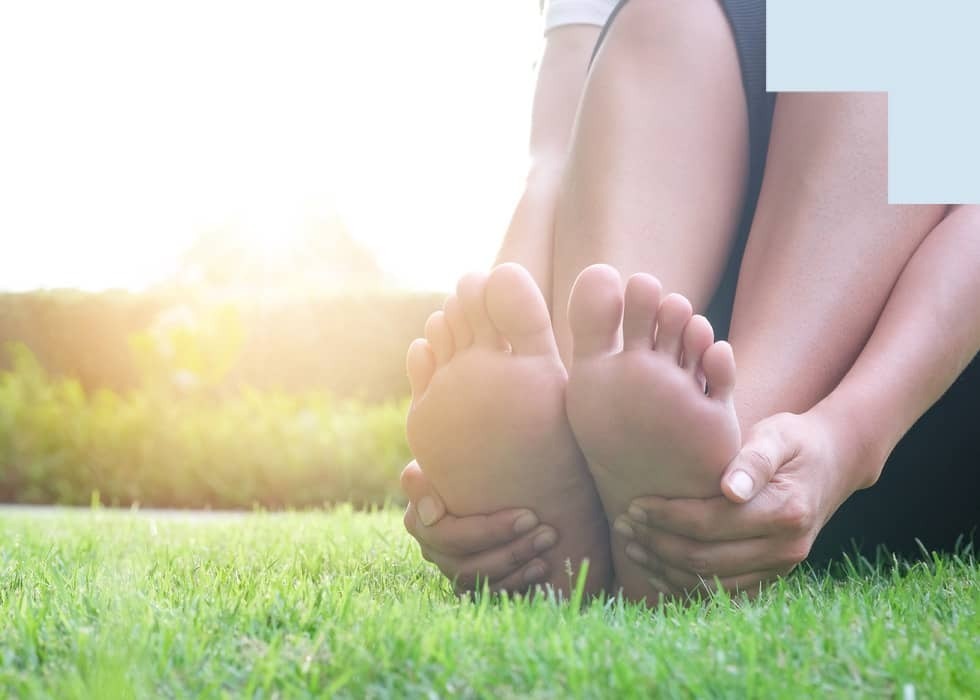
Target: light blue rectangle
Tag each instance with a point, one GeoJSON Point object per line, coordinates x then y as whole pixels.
{"type": "Point", "coordinates": [926, 55]}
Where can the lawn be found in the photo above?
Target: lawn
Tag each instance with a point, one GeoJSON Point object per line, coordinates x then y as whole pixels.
{"type": "Point", "coordinates": [107, 604]}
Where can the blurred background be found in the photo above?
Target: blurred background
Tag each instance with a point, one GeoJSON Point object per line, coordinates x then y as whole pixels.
{"type": "Point", "coordinates": [222, 223]}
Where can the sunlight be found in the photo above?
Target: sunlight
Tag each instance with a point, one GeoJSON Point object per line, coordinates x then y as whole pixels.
{"type": "Point", "coordinates": [119, 151]}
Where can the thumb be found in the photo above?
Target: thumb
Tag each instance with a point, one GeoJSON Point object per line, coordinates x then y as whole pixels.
{"type": "Point", "coordinates": [754, 466]}
{"type": "Point", "coordinates": [428, 504]}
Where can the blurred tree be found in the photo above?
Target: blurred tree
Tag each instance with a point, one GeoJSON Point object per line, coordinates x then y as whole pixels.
{"type": "Point", "coordinates": [319, 259]}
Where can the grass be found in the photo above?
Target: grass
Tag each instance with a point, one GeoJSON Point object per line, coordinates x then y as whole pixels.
{"type": "Point", "coordinates": [107, 604]}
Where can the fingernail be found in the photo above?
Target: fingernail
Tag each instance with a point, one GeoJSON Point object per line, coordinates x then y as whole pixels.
{"type": "Point", "coordinates": [525, 523]}
{"type": "Point", "coordinates": [428, 513]}
{"type": "Point", "coordinates": [637, 513]}
{"type": "Point", "coordinates": [741, 484]}
{"type": "Point", "coordinates": [623, 528]}
{"type": "Point", "coordinates": [546, 540]}
{"type": "Point", "coordinates": [637, 553]}
{"type": "Point", "coordinates": [533, 573]}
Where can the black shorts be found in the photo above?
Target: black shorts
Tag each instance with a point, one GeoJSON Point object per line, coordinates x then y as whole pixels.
{"type": "Point", "coordinates": [930, 488]}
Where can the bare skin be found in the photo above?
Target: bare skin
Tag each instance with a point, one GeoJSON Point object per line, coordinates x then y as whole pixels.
{"type": "Point", "coordinates": [653, 412]}
{"type": "Point", "coordinates": [805, 283]}
{"type": "Point", "coordinates": [655, 179]}
{"type": "Point", "coordinates": [487, 423]}
{"type": "Point", "coordinates": [803, 466]}
{"type": "Point", "coordinates": [613, 203]}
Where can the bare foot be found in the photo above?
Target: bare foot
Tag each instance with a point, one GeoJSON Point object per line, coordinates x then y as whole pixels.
{"type": "Point", "coordinates": [487, 423]}
{"type": "Point", "coordinates": [655, 417]}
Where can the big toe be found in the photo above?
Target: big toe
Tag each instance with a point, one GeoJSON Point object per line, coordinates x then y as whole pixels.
{"type": "Point", "coordinates": [519, 312]}
{"type": "Point", "coordinates": [595, 311]}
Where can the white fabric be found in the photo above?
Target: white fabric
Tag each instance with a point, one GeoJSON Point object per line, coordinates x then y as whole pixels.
{"type": "Point", "coordinates": [561, 12]}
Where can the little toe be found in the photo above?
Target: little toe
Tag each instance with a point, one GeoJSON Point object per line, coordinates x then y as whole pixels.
{"type": "Point", "coordinates": [718, 363]}
{"type": "Point", "coordinates": [672, 318]}
{"type": "Point", "coordinates": [440, 338]}
{"type": "Point", "coordinates": [519, 312]}
{"type": "Point", "coordinates": [452, 309]}
{"type": "Point", "coordinates": [421, 365]}
{"type": "Point", "coordinates": [471, 290]}
{"type": "Point", "coordinates": [595, 311]}
{"type": "Point", "coordinates": [643, 293]}
{"type": "Point", "coordinates": [698, 337]}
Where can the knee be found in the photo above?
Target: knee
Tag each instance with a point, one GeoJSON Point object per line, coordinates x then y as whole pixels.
{"type": "Point", "coordinates": [652, 25]}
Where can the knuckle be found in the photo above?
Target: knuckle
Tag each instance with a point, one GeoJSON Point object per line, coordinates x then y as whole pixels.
{"type": "Point", "coordinates": [795, 515]}
{"type": "Point", "coordinates": [520, 553]}
{"type": "Point", "coordinates": [797, 551]}
{"type": "Point", "coordinates": [696, 563]}
{"type": "Point", "coordinates": [759, 461]}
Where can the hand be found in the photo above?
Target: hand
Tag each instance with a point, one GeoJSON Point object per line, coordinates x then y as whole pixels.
{"type": "Point", "coordinates": [502, 548]}
{"type": "Point", "coordinates": [789, 478]}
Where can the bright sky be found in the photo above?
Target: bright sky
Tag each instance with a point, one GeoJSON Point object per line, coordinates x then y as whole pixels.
{"type": "Point", "coordinates": [126, 128]}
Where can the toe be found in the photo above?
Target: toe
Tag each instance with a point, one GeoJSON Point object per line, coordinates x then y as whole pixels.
{"type": "Point", "coordinates": [595, 311]}
{"type": "Point", "coordinates": [640, 315]}
{"type": "Point", "coordinates": [718, 363]}
{"type": "Point", "coordinates": [440, 338]}
{"type": "Point", "coordinates": [519, 312]}
{"type": "Point", "coordinates": [458, 325]}
{"type": "Point", "coordinates": [421, 365]}
{"type": "Point", "coordinates": [698, 337]}
{"type": "Point", "coordinates": [672, 318]}
{"type": "Point", "coordinates": [471, 291]}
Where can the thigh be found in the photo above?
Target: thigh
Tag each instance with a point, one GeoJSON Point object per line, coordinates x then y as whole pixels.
{"type": "Point", "coordinates": [824, 251]}
{"type": "Point", "coordinates": [657, 171]}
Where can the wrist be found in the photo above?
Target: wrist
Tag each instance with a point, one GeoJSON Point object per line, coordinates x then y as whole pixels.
{"type": "Point", "coordinates": [861, 445]}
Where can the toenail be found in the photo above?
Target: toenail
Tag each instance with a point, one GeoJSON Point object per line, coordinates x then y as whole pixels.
{"type": "Point", "coordinates": [623, 528]}
{"type": "Point", "coordinates": [525, 523]}
{"type": "Point", "coordinates": [546, 540]}
{"type": "Point", "coordinates": [637, 553]}
{"type": "Point", "coordinates": [533, 573]}
{"type": "Point", "coordinates": [637, 514]}
{"type": "Point", "coordinates": [741, 484]}
{"type": "Point", "coordinates": [426, 508]}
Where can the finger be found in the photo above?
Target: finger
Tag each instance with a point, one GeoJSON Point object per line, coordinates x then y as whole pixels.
{"type": "Point", "coordinates": [697, 587]}
{"type": "Point", "coordinates": [705, 520]}
{"type": "Point", "coordinates": [684, 584]}
{"type": "Point", "coordinates": [477, 533]}
{"type": "Point", "coordinates": [710, 559]}
{"type": "Point", "coordinates": [761, 456]}
{"type": "Point", "coordinates": [532, 573]}
{"type": "Point", "coordinates": [419, 491]}
{"type": "Point", "coordinates": [495, 564]}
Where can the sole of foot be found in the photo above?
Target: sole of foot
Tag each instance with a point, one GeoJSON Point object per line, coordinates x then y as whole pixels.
{"type": "Point", "coordinates": [487, 422]}
{"type": "Point", "coordinates": [649, 400]}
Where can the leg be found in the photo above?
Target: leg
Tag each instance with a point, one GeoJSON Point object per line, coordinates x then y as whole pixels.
{"type": "Point", "coordinates": [805, 284]}
{"type": "Point", "coordinates": [823, 254]}
{"type": "Point", "coordinates": [656, 179]}
{"type": "Point", "coordinates": [487, 422]}
{"type": "Point", "coordinates": [659, 159]}
{"type": "Point", "coordinates": [667, 71]}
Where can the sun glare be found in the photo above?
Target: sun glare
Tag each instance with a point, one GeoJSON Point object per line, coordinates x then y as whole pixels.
{"type": "Point", "coordinates": [128, 130]}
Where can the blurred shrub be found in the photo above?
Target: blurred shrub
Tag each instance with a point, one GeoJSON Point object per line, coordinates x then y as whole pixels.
{"type": "Point", "coordinates": [350, 347]}
{"type": "Point", "coordinates": [159, 447]}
